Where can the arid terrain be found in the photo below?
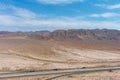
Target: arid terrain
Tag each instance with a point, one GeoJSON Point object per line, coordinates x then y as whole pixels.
{"type": "Point", "coordinates": [61, 49]}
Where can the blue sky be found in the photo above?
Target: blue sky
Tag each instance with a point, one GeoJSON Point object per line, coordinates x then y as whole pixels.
{"type": "Point", "coordinates": [35, 15]}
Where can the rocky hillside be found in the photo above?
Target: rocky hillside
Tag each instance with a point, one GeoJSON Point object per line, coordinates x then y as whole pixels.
{"type": "Point", "coordinates": [87, 34]}
{"type": "Point", "coordinates": [78, 35]}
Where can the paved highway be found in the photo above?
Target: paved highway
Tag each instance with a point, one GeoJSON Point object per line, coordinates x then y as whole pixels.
{"type": "Point", "coordinates": [54, 71]}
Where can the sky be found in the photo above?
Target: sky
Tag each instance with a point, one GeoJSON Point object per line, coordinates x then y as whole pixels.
{"type": "Point", "coordinates": [36, 15]}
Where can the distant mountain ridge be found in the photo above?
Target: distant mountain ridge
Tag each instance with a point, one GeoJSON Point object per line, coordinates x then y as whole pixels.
{"type": "Point", "coordinates": [73, 34]}
{"type": "Point", "coordinates": [79, 38]}
{"type": "Point", "coordinates": [82, 34]}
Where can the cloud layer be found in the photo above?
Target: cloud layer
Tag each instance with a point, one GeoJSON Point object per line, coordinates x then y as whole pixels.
{"type": "Point", "coordinates": [106, 15]}
{"type": "Point", "coordinates": [115, 6]}
{"type": "Point", "coordinates": [22, 18]}
{"type": "Point", "coordinates": [61, 23]}
{"type": "Point", "coordinates": [59, 1]}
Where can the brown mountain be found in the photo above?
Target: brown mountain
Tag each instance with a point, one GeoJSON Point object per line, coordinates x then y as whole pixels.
{"type": "Point", "coordinates": [99, 39]}
{"type": "Point", "coordinates": [87, 34]}
{"type": "Point", "coordinates": [96, 38]}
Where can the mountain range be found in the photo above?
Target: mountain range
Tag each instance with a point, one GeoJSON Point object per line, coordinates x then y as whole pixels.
{"type": "Point", "coordinates": [97, 38]}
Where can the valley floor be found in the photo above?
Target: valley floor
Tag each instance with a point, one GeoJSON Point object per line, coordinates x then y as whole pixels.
{"type": "Point", "coordinates": [25, 54]}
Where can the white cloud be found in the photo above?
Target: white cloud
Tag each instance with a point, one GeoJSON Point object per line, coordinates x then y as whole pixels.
{"type": "Point", "coordinates": [100, 5]}
{"type": "Point", "coordinates": [23, 18]}
{"type": "Point", "coordinates": [51, 23]}
{"type": "Point", "coordinates": [115, 6]}
{"type": "Point", "coordinates": [7, 20]}
{"type": "Point", "coordinates": [23, 12]}
{"type": "Point", "coordinates": [105, 15]}
{"type": "Point", "coordinates": [20, 12]}
{"type": "Point", "coordinates": [59, 1]}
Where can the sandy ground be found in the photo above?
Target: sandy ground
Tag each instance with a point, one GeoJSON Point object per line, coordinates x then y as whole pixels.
{"type": "Point", "coordinates": [75, 59]}
{"type": "Point", "coordinates": [24, 54]}
{"type": "Point", "coordinates": [10, 61]}
{"type": "Point", "coordinates": [86, 55]}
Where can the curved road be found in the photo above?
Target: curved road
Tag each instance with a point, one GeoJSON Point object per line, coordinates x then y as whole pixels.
{"type": "Point", "coordinates": [55, 71]}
